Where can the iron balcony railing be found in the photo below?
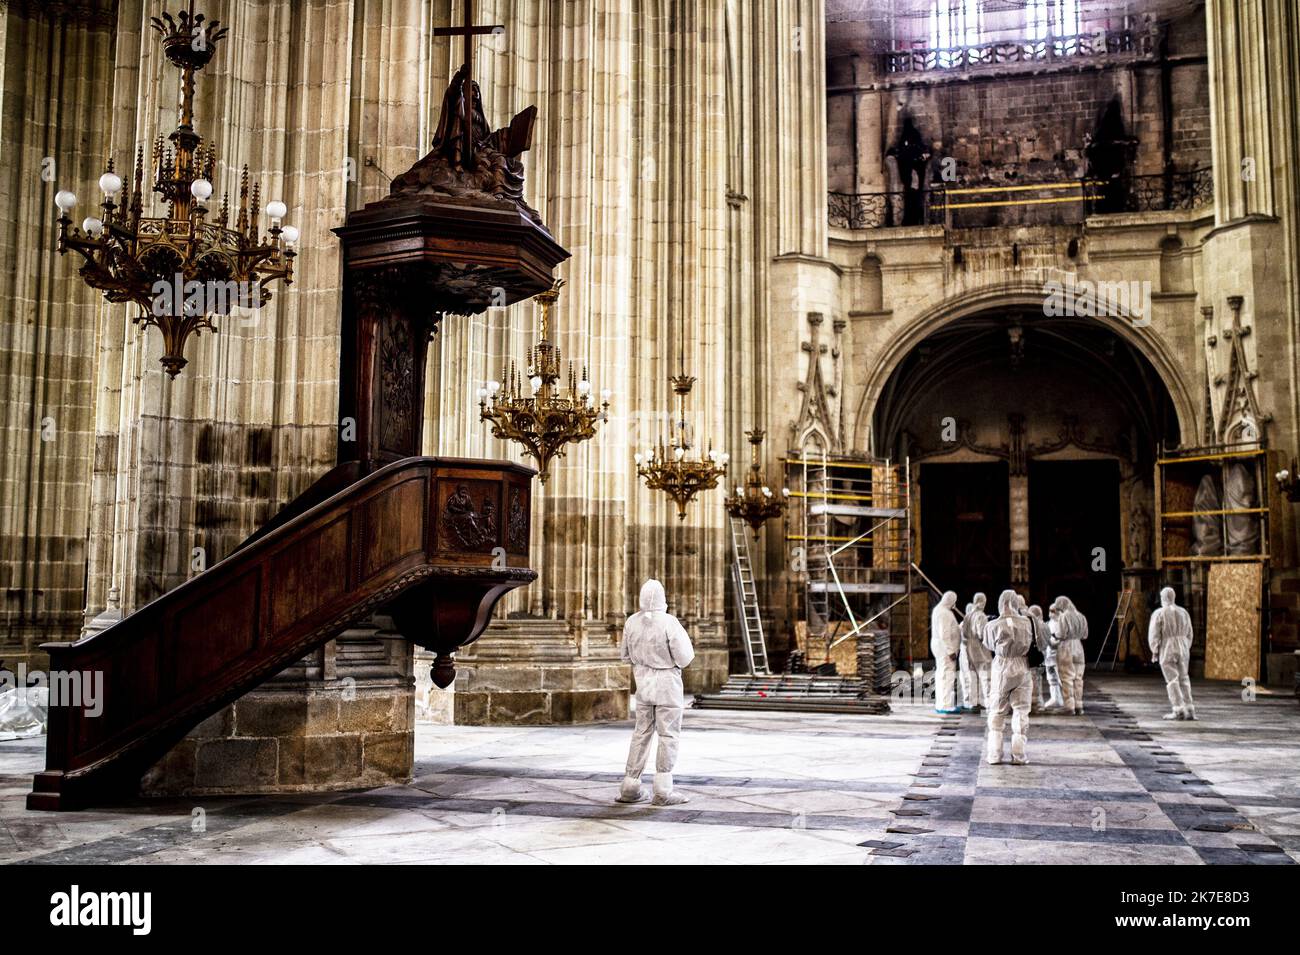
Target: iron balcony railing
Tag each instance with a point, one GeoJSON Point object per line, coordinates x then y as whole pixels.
{"type": "Point", "coordinates": [920, 59]}
{"type": "Point", "coordinates": [979, 205]}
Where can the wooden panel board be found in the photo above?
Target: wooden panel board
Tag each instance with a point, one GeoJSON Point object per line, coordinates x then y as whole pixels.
{"type": "Point", "coordinates": [1232, 621]}
{"type": "Point", "coordinates": [844, 656]}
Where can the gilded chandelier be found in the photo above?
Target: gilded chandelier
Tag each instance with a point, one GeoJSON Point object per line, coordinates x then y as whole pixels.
{"type": "Point", "coordinates": [756, 504]}
{"type": "Point", "coordinates": [181, 269]}
{"type": "Point", "coordinates": [541, 418]}
{"type": "Point", "coordinates": [670, 468]}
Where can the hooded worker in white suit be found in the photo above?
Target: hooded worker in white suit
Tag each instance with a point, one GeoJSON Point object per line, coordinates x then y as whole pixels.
{"type": "Point", "coordinates": [945, 643]}
{"type": "Point", "coordinates": [1008, 637]}
{"type": "Point", "coordinates": [1170, 636]}
{"type": "Point", "coordinates": [658, 647]}
{"type": "Point", "coordinates": [976, 662]}
{"type": "Point", "coordinates": [1071, 631]}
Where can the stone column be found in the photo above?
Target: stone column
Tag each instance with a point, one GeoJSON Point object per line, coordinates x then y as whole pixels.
{"type": "Point", "coordinates": [794, 277]}
{"type": "Point", "coordinates": [192, 466]}
{"type": "Point", "coordinates": [1254, 94]}
{"type": "Point", "coordinates": [52, 132]}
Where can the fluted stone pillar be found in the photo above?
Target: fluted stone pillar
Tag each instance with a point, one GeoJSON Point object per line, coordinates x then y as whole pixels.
{"type": "Point", "coordinates": [1252, 251]}
{"type": "Point", "coordinates": [185, 469]}
{"type": "Point", "coordinates": [53, 129]}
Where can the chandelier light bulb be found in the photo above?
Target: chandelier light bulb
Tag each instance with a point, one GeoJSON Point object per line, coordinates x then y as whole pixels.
{"type": "Point", "coordinates": [785, 492]}
{"type": "Point", "coordinates": [767, 491]}
{"type": "Point", "coordinates": [584, 387]}
{"type": "Point", "coordinates": [290, 234]}
{"type": "Point", "coordinates": [110, 184]}
{"type": "Point", "coordinates": [276, 210]}
{"type": "Point", "coordinates": [200, 189]}
{"type": "Point", "coordinates": [92, 227]}
{"type": "Point", "coordinates": [493, 386]}
{"type": "Point", "coordinates": [536, 382]}
{"type": "Point", "coordinates": [637, 457]}
{"type": "Point", "coordinates": [65, 200]}
{"type": "Point", "coordinates": [481, 393]}
{"type": "Point", "coordinates": [606, 394]}
{"type": "Point", "coordinates": [678, 453]}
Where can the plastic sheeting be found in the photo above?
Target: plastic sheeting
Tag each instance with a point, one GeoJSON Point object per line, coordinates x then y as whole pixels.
{"type": "Point", "coordinates": [24, 712]}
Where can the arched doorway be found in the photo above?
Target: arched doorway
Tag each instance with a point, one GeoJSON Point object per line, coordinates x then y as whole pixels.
{"type": "Point", "coordinates": [1033, 441]}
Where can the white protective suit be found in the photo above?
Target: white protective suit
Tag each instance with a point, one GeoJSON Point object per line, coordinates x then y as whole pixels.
{"type": "Point", "coordinates": [945, 642]}
{"type": "Point", "coordinates": [1008, 637]}
{"type": "Point", "coordinates": [658, 647]}
{"type": "Point", "coordinates": [1049, 662]}
{"type": "Point", "coordinates": [975, 661]}
{"type": "Point", "coordinates": [1170, 636]}
{"type": "Point", "coordinates": [1043, 637]}
{"type": "Point", "coordinates": [1071, 631]}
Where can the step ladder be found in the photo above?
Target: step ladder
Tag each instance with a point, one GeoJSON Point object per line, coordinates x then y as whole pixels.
{"type": "Point", "coordinates": [747, 609]}
{"type": "Point", "coordinates": [1116, 624]}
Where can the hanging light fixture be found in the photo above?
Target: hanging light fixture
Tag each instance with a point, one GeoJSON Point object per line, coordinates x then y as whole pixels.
{"type": "Point", "coordinates": [671, 468]}
{"type": "Point", "coordinates": [756, 504]}
{"type": "Point", "coordinates": [530, 410]}
{"type": "Point", "coordinates": [181, 269]}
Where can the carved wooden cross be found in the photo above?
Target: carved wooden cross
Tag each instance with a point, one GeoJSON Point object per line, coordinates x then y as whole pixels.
{"type": "Point", "coordinates": [468, 30]}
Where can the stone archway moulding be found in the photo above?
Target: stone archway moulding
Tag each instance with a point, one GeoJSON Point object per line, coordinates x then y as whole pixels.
{"type": "Point", "coordinates": [1144, 339]}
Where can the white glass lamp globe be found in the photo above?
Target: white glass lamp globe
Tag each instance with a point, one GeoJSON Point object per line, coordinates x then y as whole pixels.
{"type": "Point", "coordinates": [584, 387]}
{"type": "Point", "coordinates": [290, 234]}
{"type": "Point", "coordinates": [110, 184]}
{"type": "Point", "coordinates": [200, 189]}
{"type": "Point", "coordinates": [276, 209]}
{"type": "Point", "coordinates": [606, 394]}
{"type": "Point", "coordinates": [65, 200]}
{"type": "Point", "coordinates": [92, 227]}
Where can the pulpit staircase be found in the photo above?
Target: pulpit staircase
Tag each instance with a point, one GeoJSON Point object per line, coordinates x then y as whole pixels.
{"type": "Point", "coordinates": [381, 541]}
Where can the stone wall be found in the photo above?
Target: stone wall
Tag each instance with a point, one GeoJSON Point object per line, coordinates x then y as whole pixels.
{"type": "Point", "coordinates": [342, 719]}
{"type": "Point", "coordinates": [53, 127]}
{"type": "Point", "coordinates": [1022, 121]}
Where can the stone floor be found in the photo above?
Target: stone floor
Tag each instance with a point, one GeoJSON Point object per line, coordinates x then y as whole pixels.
{"type": "Point", "coordinates": [1115, 786]}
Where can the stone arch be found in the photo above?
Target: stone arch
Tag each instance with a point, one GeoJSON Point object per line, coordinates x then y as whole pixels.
{"type": "Point", "coordinates": [1011, 296]}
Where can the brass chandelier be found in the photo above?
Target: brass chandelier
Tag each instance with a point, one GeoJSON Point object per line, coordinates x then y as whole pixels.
{"type": "Point", "coordinates": [756, 504]}
{"type": "Point", "coordinates": [671, 468]}
{"type": "Point", "coordinates": [541, 418]}
{"type": "Point", "coordinates": [181, 269]}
